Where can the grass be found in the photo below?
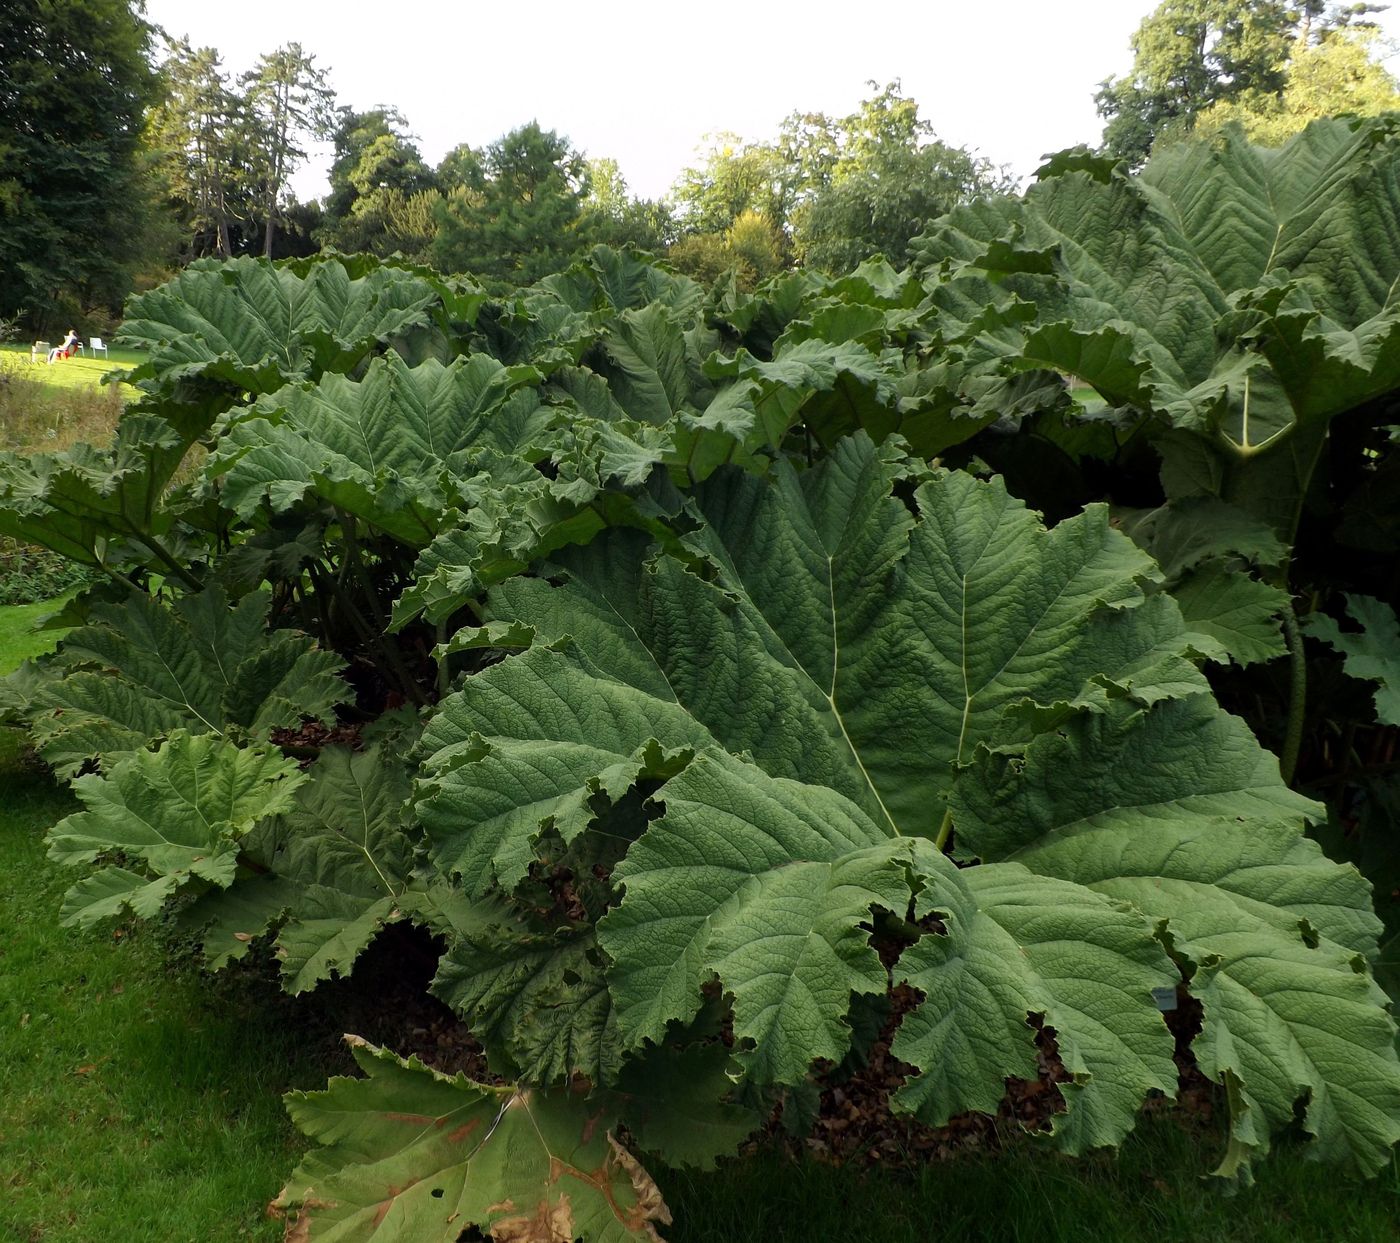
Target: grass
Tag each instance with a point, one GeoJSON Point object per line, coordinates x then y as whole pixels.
{"type": "Point", "coordinates": [138, 1103]}
{"type": "Point", "coordinates": [47, 408]}
{"type": "Point", "coordinates": [1152, 1191]}
{"type": "Point", "coordinates": [18, 638]}
{"type": "Point", "coordinates": [80, 371]}
{"type": "Point", "coordinates": [141, 1102]}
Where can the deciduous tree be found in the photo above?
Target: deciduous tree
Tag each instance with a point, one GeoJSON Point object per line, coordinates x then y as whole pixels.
{"type": "Point", "coordinates": [1337, 75]}
{"type": "Point", "coordinates": [1189, 55]}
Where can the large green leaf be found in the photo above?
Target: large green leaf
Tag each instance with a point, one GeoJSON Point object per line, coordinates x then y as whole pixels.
{"type": "Point", "coordinates": [1372, 655]}
{"type": "Point", "coordinates": [1243, 295]}
{"type": "Point", "coordinates": [253, 325]}
{"type": "Point", "coordinates": [387, 448]}
{"type": "Point", "coordinates": [823, 678]}
{"type": "Point", "coordinates": [410, 1153]}
{"type": "Point", "coordinates": [341, 866]}
{"type": "Point", "coordinates": [769, 885]}
{"type": "Point", "coordinates": [180, 811]}
{"type": "Point", "coordinates": [102, 507]}
{"type": "Point", "coordinates": [138, 671]}
{"type": "Point", "coordinates": [826, 587]}
{"type": "Point", "coordinates": [1023, 945]}
{"type": "Point", "coordinates": [1178, 814]}
{"type": "Point", "coordinates": [1274, 935]}
{"type": "Point", "coordinates": [534, 996]}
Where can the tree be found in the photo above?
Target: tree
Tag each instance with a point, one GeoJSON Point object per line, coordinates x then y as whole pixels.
{"type": "Point", "coordinates": [1187, 55]}
{"type": "Point", "coordinates": [75, 82]}
{"type": "Point", "coordinates": [1337, 75]}
{"type": "Point", "coordinates": [289, 102]}
{"type": "Point", "coordinates": [882, 204]}
{"type": "Point", "coordinates": [612, 216]}
{"type": "Point", "coordinates": [1190, 55]}
{"type": "Point", "coordinates": [198, 135]}
{"type": "Point", "coordinates": [514, 215]}
{"type": "Point", "coordinates": [831, 191]}
{"type": "Point", "coordinates": [732, 178]}
{"type": "Point", "coordinates": [880, 176]}
{"type": "Point", "coordinates": [382, 192]}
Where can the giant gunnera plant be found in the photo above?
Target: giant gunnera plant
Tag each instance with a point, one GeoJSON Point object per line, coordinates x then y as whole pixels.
{"type": "Point", "coordinates": [627, 642]}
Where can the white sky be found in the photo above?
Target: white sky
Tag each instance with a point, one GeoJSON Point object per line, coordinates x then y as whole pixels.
{"type": "Point", "coordinates": [644, 82]}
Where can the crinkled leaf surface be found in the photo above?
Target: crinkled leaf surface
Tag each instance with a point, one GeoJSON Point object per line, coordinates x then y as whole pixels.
{"type": "Point", "coordinates": [409, 1153]}
{"type": "Point", "coordinates": [386, 448]}
{"type": "Point", "coordinates": [141, 670]}
{"type": "Point", "coordinates": [826, 677]}
{"type": "Point", "coordinates": [768, 885]}
{"type": "Point", "coordinates": [180, 810]}
{"type": "Point", "coordinates": [255, 325]}
{"type": "Point", "coordinates": [343, 867]}
{"type": "Point", "coordinates": [846, 640]}
{"type": "Point", "coordinates": [1286, 315]}
{"type": "Point", "coordinates": [1180, 817]}
{"type": "Point", "coordinates": [1240, 613]}
{"type": "Point", "coordinates": [85, 499]}
{"type": "Point", "coordinates": [1023, 945]}
{"type": "Point", "coordinates": [536, 998]}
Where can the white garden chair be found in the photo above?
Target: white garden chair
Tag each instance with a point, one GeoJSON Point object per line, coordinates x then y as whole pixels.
{"type": "Point", "coordinates": [95, 345]}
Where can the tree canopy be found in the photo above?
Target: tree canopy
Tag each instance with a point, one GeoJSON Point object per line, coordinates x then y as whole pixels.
{"type": "Point", "coordinates": [383, 194]}
{"type": "Point", "coordinates": [75, 81]}
{"type": "Point", "coordinates": [514, 215]}
{"type": "Point", "coordinates": [835, 190]}
{"type": "Point", "coordinates": [1191, 56]}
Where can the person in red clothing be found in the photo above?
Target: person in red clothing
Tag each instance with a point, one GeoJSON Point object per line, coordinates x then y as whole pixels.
{"type": "Point", "coordinates": [67, 349]}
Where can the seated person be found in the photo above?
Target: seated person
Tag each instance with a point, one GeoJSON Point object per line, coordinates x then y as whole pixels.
{"type": "Point", "coordinates": [67, 349]}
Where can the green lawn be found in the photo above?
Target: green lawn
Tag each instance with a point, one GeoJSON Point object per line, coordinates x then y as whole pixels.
{"type": "Point", "coordinates": [18, 638]}
{"type": "Point", "coordinates": [75, 372]}
{"type": "Point", "coordinates": [1151, 1193]}
{"type": "Point", "coordinates": [138, 1103]}
{"type": "Point", "coordinates": [141, 1102]}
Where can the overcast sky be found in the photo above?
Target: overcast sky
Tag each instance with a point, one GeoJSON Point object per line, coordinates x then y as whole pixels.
{"type": "Point", "coordinates": [644, 82]}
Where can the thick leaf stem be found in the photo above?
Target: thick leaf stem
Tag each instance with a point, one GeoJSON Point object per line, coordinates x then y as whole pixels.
{"type": "Point", "coordinates": [163, 555]}
{"type": "Point", "coordinates": [945, 829]}
{"type": "Point", "coordinates": [117, 577]}
{"type": "Point", "coordinates": [380, 648]}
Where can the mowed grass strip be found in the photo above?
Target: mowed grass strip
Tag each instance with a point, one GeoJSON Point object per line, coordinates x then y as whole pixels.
{"type": "Point", "coordinates": [137, 1103]}
{"type": "Point", "coordinates": [80, 371]}
{"type": "Point", "coordinates": [138, 1100]}
{"type": "Point", "coordinates": [1153, 1191]}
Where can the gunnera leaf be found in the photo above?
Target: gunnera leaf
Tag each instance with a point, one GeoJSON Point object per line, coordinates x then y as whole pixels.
{"type": "Point", "coordinates": [410, 1153]}
{"type": "Point", "coordinates": [1176, 814]}
{"type": "Point", "coordinates": [388, 447]}
{"type": "Point", "coordinates": [177, 816]}
{"type": "Point", "coordinates": [342, 865]}
{"type": "Point", "coordinates": [828, 680]}
{"type": "Point", "coordinates": [1372, 654]}
{"type": "Point", "coordinates": [141, 670]}
{"type": "Point", "coordinates": [251, 325]}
